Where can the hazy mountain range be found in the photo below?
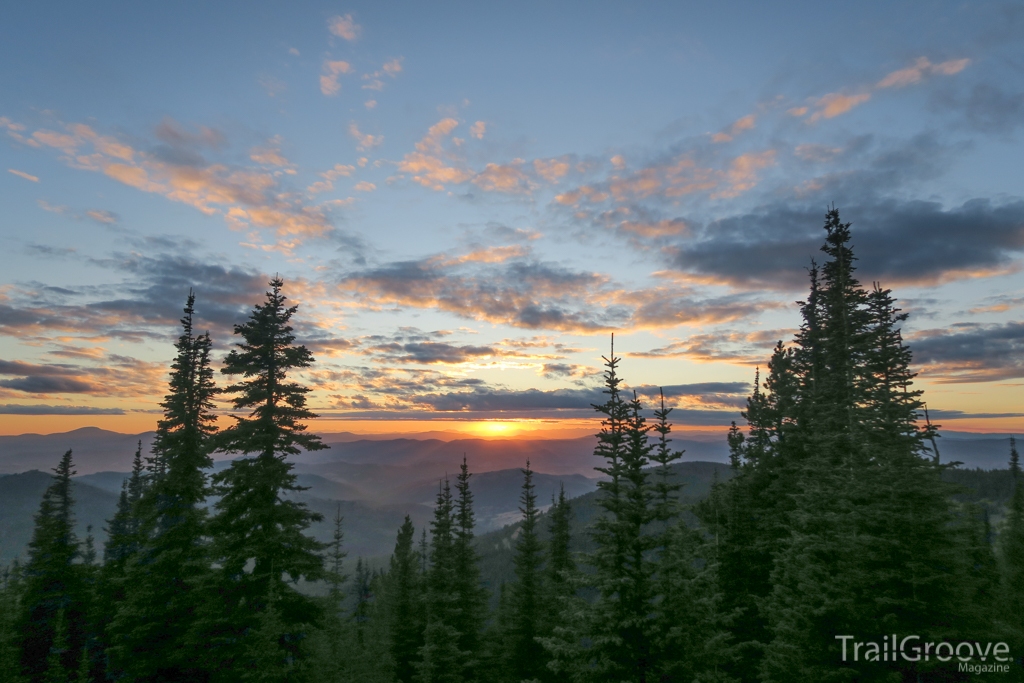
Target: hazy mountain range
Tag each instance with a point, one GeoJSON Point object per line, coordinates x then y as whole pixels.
{"type": "Point", "coordinates": [376, 481]}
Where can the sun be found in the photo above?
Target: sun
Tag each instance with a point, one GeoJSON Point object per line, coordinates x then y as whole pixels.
{"type": "Point", "coordinates": [494, 428]}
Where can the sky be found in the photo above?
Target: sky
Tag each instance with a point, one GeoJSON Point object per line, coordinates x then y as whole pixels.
{"type": "Point", "coordinates": [466, 200]}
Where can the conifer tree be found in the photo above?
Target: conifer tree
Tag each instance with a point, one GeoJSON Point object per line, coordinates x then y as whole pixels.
{"type": "Point", "coordinates": [405, 604]}
{"type": "Point", "coordinates": [363, 595]}
{"type": "Point", "coordinates": [335, 558]}
{"type": "Point", "coordinates": [622, 628]}
{"type": "Point", "coordinates": [1012, 546]}
{"type": "Point", "coordinates": [53, 583]}
{"type": "Point", "coordinates": [472, 598]}
{"type": "Point", "coordinates": [559, 559]}
{"type": "Point", "coordinates": [10, 593]}
{"type": "Point", "coordinates": [56, 670]}
{"type": "Point", "coordinates": [526, 657]}
{"type": "Point", "coordinates": [165, 570]}
{"type": "Point", "coordinates": [440, 658]}
{"type": "Point", "coordinates": [259, 538]}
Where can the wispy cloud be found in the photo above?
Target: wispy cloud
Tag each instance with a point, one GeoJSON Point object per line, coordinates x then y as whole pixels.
{"type": "Point", "coordinates": [727, 135]}
{"type": "Point", "coordinates": [364, 141]}
{"type": "Point", "coordinates": [176, 168]}
{"type": "Point", "coordinates": [22, 174]}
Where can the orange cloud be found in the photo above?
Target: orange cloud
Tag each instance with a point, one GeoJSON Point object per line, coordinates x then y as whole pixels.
{"type": "Point", "coordinates": [551, 170]}
{"type": "Point", "coordinates": [745, 123]}
{"type": "Point", "coordinates": [478, 129]}
{"type": "Point", "coordinates": [835, 104]}
{"type": "Point", "coordinates": [921, 68]}
{"type": "Point", "coordinates": [344, 27]}
{"type": "Point", "coordinates": [364, 141]}
{"type": "Point", "coordinates": [270, 155]}
{"type": "Point", "coordinates": [332, 71]}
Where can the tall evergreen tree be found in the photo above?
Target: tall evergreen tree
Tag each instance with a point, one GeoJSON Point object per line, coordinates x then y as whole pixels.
{"type": "Point", "coordinates": [440, 658]}
{"type": "Point", "coordinates": [526, 657]}
{"type": "Point", "coordinates": [620, 624]}
{"type": "Point", "coordinates": [10, 595]}
{"type": "Point", "coordinates": [150, 634]}
{"type": "Point", "coordinates": [472, 598]}
{"type": "Point", "coordinates": [405, 604]}
{"type": "Point", "coordinates": [1012, 547]}
{"type": "Point", "coordinates": [559, 558]}
{"type": "Point", "coordinates": [259, 538]}
{"type": "Point", "coordinates": [53, 583]}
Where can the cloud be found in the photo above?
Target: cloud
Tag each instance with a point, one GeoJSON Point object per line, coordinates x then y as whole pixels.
{"type": "Point", "coordinates": [36, 409]}
{"type": "Point", "coordinates": [344, 27]}
{"type": "Point", "coordinates": [22, 174]}
{"type": "Point", "coordinates": [120, 377]}
{"type": "Point", "coordinates": [523, 292]}
{"type": "Point", "coordinates": [364, 141]}
{"type": "Point", "coordinates": [364, 186]}
{"type": "Point", "coordinates": [393, 68]}
{"type": "Point", "coordinates": [478, 129]}
{"type": "Point", "coordinates": [176, 168]}
{"type": "Point", "coordinates": [745, 123]}
{"type": "Point", "coordinates": [102, 216]}
{"type": "Point", "coordinates": [552, 170]}
{"type": "Point", "coordinates": [922, 67]}
{"type": "Point", "coordinates": [970, 352]}
{"type": "Point", "coordinates": [896, 242]}
{"type": "Point", "coordinates": [432, 352]}
{"type": "Point", "coordinates": [270, 154]}
{"type": "Point", "coordinates": [835, 104]}
{"type": "Point", "coordinates": [989, 108]}
{"type": "Point", "coordinates": [331, 73]}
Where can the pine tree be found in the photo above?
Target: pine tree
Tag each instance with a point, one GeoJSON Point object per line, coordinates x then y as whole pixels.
{"type": "Point", "coordinates": [405, 604]}
{"type": "Point", "coordinates": [526, 657]}
{"type": "Point", "coordinates": [861, 526]}
{"type": "Point", "coordinates": [335, 559]}
{"type": "Point", "coordinates": [258, 535]}
{"type": "Point", "coordinates": [166, 560]}
{"type": "Point", "coordinates": [623, 628]}
{"type": "Point", "coordinates": [363, 595]}
{"type": "Point", "coordinates": [10, 594]}
{"type": "Point", "coordinates": [472, 598]}
{"type": "Point", "coordinates": [440, 658]}
{"type": "Point", "coordinates": [56, 670]}
{"type": "Point", "coordinates": [53, 583]}
{"type": "Point", "coordinates": [559, 559]}
{"type": "Point", "coordinates": [1011, 541]}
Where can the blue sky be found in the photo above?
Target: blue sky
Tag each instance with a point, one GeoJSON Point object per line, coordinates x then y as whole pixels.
{"type": "Point", "coordinates": [466, 200]}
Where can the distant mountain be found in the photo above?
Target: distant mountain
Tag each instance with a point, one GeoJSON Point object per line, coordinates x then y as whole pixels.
{"type": "Point", "coordinates": [94, 449]}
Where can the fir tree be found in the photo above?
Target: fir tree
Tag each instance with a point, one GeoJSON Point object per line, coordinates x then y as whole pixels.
{"type": "Point", "coordinates": [363, 595]}
{"type": "Point", "coordinates": [559, 559]}
{"type": "Point", "coordinates": [622, 627]}
{"type": "Point", "coordinates": [472, 598]}
{"type": "Point", "coordinates": [526, 657]}
{"type": "Point", "coordinates": [56, 670]}
{"type": "Point", "coordinates": [405, 604]}
{"type": "Point", "coordinates": [163, 574]}
{"type": "Point", "coordinates": [1011, 541]}
{"type": "Point", "coordinates": [53, 583]}
{"type": "Point", "coordinates": [440, 658]}
{"type": "Point", "coordinates": [10, 592]}
{"type": "Point", "coordinates": [335, 559]}
{"type": "Point", "coordinates": [258, 535]}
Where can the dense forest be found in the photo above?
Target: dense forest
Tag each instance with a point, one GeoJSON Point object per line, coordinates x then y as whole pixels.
{"type": "Point", "coordinates": [839, 525]}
